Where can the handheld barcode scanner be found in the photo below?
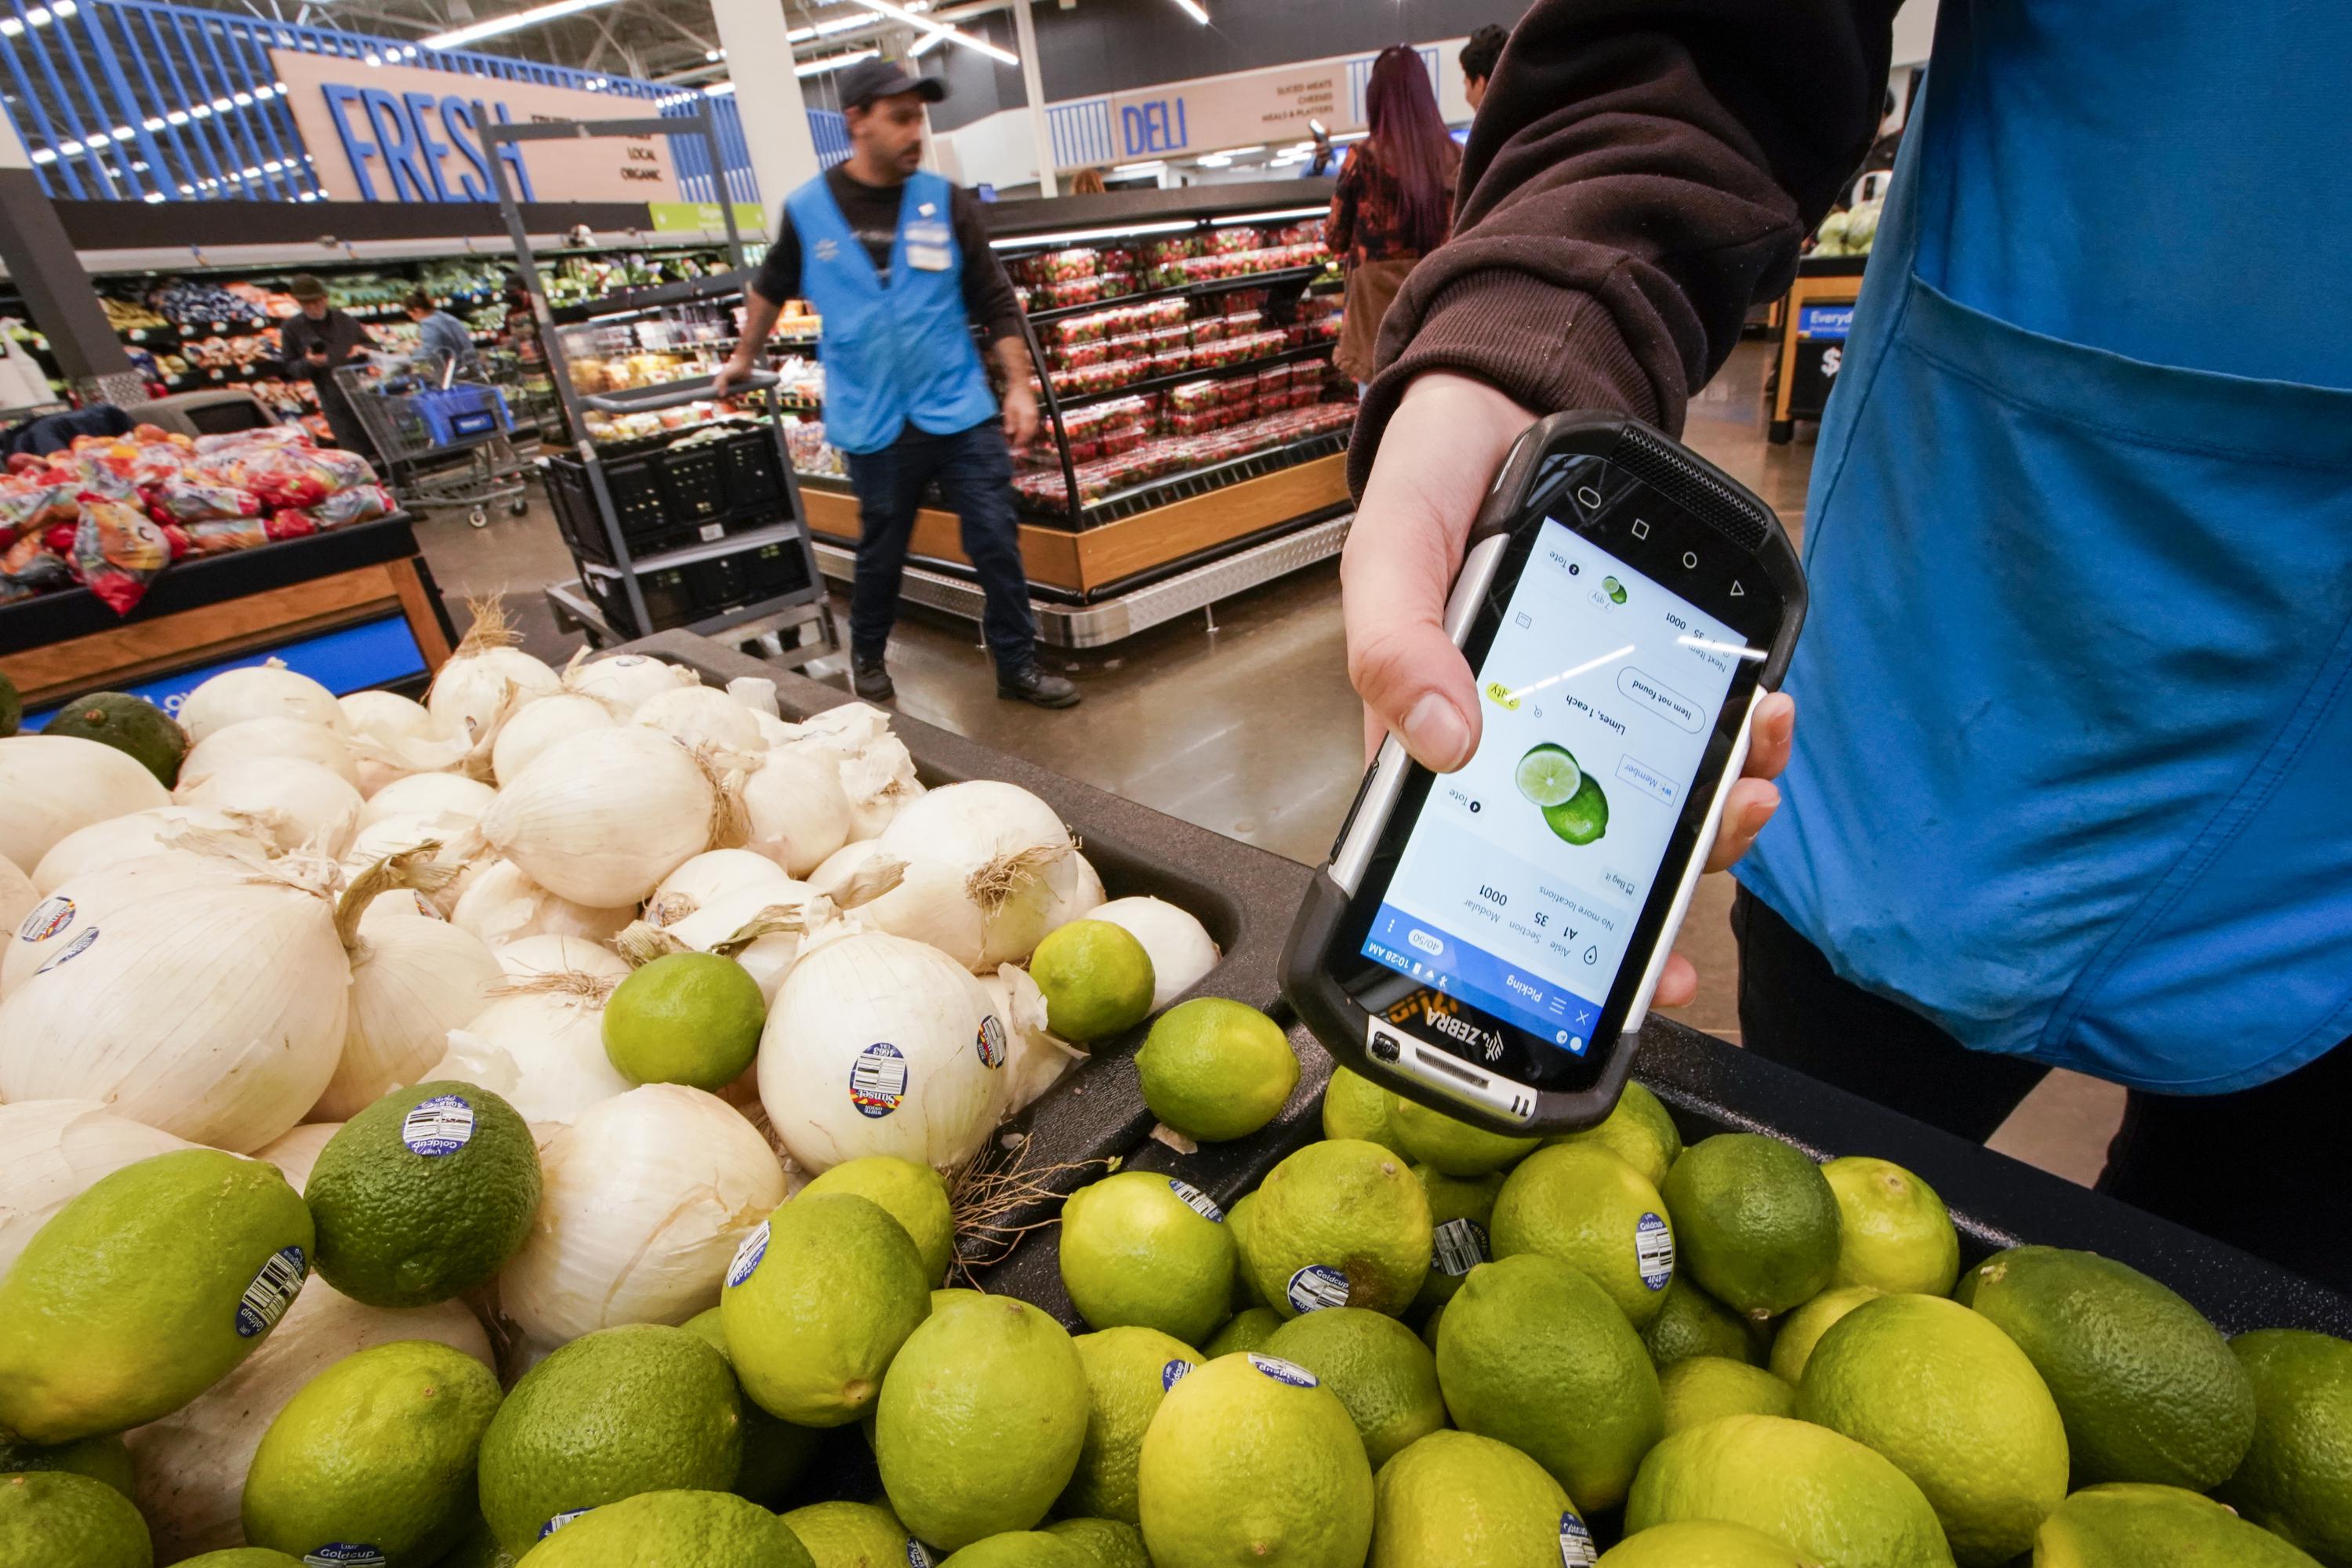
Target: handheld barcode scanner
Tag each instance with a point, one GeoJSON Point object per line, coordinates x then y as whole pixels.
{"type": "Point", "coordinates": [1487, 940]}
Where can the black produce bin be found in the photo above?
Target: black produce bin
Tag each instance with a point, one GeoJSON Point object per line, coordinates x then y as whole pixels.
{"type": "Point", "coordinates": [1246, 897]}
{"type": "Point", "coordinates": [664, 498]}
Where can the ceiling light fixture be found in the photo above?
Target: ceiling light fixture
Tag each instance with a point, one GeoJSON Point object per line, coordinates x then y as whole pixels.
{"type": "Point", "coordinates": [927, 43]}
{"type": "Point", "coordinates": [1193, 9]}
{"type": "Point", "coordinates": [833, 62]}
{"type": "Point", "coordinates": [924, 23]}
{"type": "Point", "coordinates": [458, 38]}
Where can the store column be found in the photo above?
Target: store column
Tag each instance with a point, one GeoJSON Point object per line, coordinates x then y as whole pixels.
{"type": "Point", "coordinates": [63, 301]}
{"type": "Point", "coordinates": [767, 96]}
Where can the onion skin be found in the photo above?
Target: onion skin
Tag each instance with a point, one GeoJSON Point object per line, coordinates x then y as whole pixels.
{"type": "Point", "coordinates": [56, 784]}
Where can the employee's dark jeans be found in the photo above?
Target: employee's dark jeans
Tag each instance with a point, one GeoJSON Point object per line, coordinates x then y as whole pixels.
{"type": "Point", "coordinates": [974, 469]}
{"type": "Point", "coordinates": [2262, 1169]}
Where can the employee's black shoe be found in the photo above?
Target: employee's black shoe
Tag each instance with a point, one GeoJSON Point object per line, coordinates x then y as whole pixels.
{"type": "Point", "coordinates": [1031, 684]}
{"type": "Point", "coordinates": [870, 678]}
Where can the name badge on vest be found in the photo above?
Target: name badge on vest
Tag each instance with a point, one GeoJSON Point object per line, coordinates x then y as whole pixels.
{"type": "Point", "coordinates": [927, 247]}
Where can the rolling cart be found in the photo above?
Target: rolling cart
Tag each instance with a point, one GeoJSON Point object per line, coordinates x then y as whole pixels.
{"type": "Point", "coordinates": [446, 441]}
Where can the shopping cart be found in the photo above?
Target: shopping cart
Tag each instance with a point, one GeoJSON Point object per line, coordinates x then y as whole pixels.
{"type": "Point", "coordinates": [446, 440]}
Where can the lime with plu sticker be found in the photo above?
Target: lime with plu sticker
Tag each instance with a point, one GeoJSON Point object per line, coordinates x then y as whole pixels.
{"type": "Point", "coordinates": [1548, 776]}
{"type": "Point", "coordinates": [1583, 817]}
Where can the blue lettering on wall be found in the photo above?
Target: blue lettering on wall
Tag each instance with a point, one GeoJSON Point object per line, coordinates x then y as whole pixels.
{"type": "Point", "coordinates": [1154, 127]}
{"type": "Point", "coordinates": [340, 101]}
{"type": "Point", "coordinates": [457, 119]}
{"type": "Point", "coordinates": [397, 139]}
{"type": "Point", "coordinates": [429, 152]}
{"type": "Point", "coordinates": [391, 140]}
{"type": "Point", "coordinates": [510, 154]}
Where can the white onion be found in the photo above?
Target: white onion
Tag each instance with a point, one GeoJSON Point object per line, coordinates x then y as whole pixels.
{"type": "Point", "coordinates": [298, 1151]}
{"type": "Point", "coordinates": [53, 1151]}
{"type": "Point", "coordinates": [646, 1197]}
{"type": "Point", "coordinates": [979, 862]}
{"type": "Point", "coordinates": [103, 896]}
{"type": "Point", "coordinates": [1077, 891]}
{"type": "Point", "coordinates": [214, 1008]}
{"type": "Point", "coordinates": [855, 725]}
{"type": "Point", "coordinates": [395, 835]}
{"type": "Point", "coordinates": [254, 740]}
{"type": "Point", "coordinates": [540, 725]}
{"type": "Point", "coordinates": [533, 955]}
{"type": "Point", "coordinates": [774, 732]}
{"type": "Point", "coordinates": [710, 876]}
{"type": "Point", "coordinates": [905, 1026]}
{"type": "Point", "coordinates": [626, 679]}
{"type": "Point", "coordinates": [487, 681]}
{"type": "Point", "coordinates": [392, 722]}
{"type": "Point", "coordinates": [429, 794]}
{"type": "Point", "coordinates": [53, 784]}
{"type": "Point", "coordinates": [700, 716]}
{"type": "Point", "coordinates": [737, 923]}
{"type": "Point", "coordinates": [541, 1046]}
{"type": "Point", "coordinates": [191, 1465]}
{"type": "Point", "coordinates": [268, 690]}
{"type": "Point", "coordinates": [795, 810]}
{"type": "Point", "coordinates": [838, 867]}
{"type": "Point", "coordinates": [413, 981]}
{"type": "Point", "coordinates": [308, 808]}
{"type": "Point", "coordinates": [133, 837]}
{"type": "Point", "coordinates": [1040, 1057]}
{"type": "Point", "coordinates": [1181, 947]}
{"type": "Point", "coordinates": [879, 781]}
{"type": "Point", "coordinates": [18, 894]}
{"type": "Point", "coordinates": [756, 692]}
{"type": "Point", "coordinates": [602, 817]}
{"type": "Point", "coordinates": [502, 904]}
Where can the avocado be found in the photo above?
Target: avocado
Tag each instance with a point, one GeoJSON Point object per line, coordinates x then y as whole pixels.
{"type": "Point", "coordinates": [130, 724]}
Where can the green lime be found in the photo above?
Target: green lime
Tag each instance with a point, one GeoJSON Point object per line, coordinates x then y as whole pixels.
{"type": "Point", "coordinates": [642, 1408]}
{"type": "Point", "coordinates": [1096, 979]}
{"type": "Point", "coordinates": [1581, 819]}
{"type": "Point", "coordinates": [1449, 1144]}
{"type": "Point", "coordinates": [1237, 1223]}
{"type": "Point", "coordinates": [1703, 1545]}
{"type": "Point", "coordinates": [423, 1195]}
{"type": "Point", "coordinates": [1824, 1494]}
{"type": "Point", "coordinates": [1692, 1323]}
{"type": "Point", "coordinates": [146, 1290]}
{"type": "Point", "coordinates": [776, 1454]}
{"type": "Point", "coordinates": [1215, 1069]}
{"type": "Point", "coordinates": [1582, 1205]}
{"type": "Point", "coordinates": [56, 1519]}
{"type": "Point", "coordinates": [981, 1421]}
{"type": "Point", "coordinates": [1249, 1330]}
{"type": "Point", "coordinates": [817, 1301]}
{"type": "Point", "coordinates": [479, 1548]}
{"type": "Point", "coordinates": [1699, 1388]}
{"type": "Point", "coordinates": [12, 707]}
{"type": "Point", "coordinates": [1455, 1500]}
{"type": "Point", "coordinates": [2148, 1388]}
{"type": "Point", "coordinates": [915, 1195]}
{"type": "Point", "coordinates": [1535, 1354]}
{"type": "Point", "coordinates": [1548, 776]}
{"type": "Point", "coordinates": [2140, 1526]}
{"type": "Point", "coordinates": [1757, 1222]}
{"type": "Point", "coordinates": [102, 1459]}
{"type": "Point", "coordinates": [1615, 590]}
{"type": "Point", "coordinates": [1252, 1460]}
{"type": "Point", "coordinates": [1018, 1548]}
{"type": "Point", "coordinates": [130, 724]}
{"type": "Point", "coordinates": [674, 1530]}
{"type": "Point", "coordinates": [1129, 1372]}
{"type": "Point", "coordinates": [1143, 1248]}
{"type": "Point", "coordinates": [1639, 1130]}
{"type": "Point", "coordinates": [1341, 1224]}
{"type": "Point", "coordinates": [1895, 1234]}
{"type": "Point", "coordinates": [1380, 1369]}
{"type": "Point", "coordinates": [2296, 1479]}
{"type": "Point", "coordinates": [1957, 1406]}
{"type": "Point", "coordinates": [686, 1017]}
{"type": "Point", "coordinates": [852, 1535]}
{"type": "Point", "coordinates": [1461, 1210]}
{"type": "Point", "coordinates": [1103, 1542]}
{"type": "Point", "coordinates": [1800, 1331]}
{"type": "Point", "coordinates": [1356, 1107]}
{"type": "Point", "coordinates": [376, 1453]}
{"type": "Point", "coordinates": [1429, 1325]}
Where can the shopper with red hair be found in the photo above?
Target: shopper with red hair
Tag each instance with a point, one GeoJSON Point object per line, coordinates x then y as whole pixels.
{"type": "Point", "coordinates": [1394, 202]}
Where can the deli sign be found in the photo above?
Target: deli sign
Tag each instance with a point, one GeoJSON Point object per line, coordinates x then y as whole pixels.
{"type": "Point", "coordinates": [1269, 106]}
{"type": "Point", "coordinates": [404, 134]}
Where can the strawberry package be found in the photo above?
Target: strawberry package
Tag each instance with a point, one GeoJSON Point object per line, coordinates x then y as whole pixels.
{"type": "Point", "coordinates": [1239, 236]}
{"type": "Point", "coordinates": [289, 522]}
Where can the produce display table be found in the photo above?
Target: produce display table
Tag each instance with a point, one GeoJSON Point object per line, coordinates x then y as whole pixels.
{"type": "Point", "coordinates": [353, 607]}
{"type": "Point", "coordinates": [1246, 897]}
{"type": "Point", "coordinates": [1813, 320]}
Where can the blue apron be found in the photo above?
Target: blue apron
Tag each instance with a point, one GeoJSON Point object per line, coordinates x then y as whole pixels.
{"type": "Point", "coordinates": [2073, 763]}
{"type": "Point", "coordinates": [899, 354]}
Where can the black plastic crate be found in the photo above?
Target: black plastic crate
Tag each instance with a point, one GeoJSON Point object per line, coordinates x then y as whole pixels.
{"type": "Point", "coordinates": [693, 483]}
{"type": "Point", "coordinates": [637, 505]}
{"type": "Point", "coordinates": [670, 598]}
{"type": "Point", "coordinates": [755, 472]}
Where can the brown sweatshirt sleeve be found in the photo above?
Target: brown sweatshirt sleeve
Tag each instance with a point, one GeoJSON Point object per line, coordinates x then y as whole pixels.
{"type": "Point", "coordinates": [1640, 172]}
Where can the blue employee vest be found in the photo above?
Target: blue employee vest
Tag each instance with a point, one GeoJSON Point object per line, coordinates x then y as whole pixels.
{"type": "Point", "coordinates": [892, 354]}
{"type": "Point", "coordinates": [2073, 761]}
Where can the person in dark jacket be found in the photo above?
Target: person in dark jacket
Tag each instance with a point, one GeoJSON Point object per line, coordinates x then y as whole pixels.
{"type": "Point", "coordinates": [1478, 59]}
{"type": "Point", "coordinates": [2077, 669]}
{"type": "Point", "coordinates": [316, 344]}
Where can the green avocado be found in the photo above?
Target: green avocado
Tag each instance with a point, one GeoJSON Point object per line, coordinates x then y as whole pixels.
{"type": "Point", "coordinates": [132, 725]}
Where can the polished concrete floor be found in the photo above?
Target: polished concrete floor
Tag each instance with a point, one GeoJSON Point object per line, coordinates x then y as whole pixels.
{"type": "Point", "coordinates": [1242, 720]}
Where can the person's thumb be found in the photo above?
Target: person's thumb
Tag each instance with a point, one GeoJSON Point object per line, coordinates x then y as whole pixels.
{"type": "Point", "coordinates": [1393, 579]}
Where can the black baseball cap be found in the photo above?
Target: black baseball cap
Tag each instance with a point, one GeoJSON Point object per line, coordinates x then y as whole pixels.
{"type": "Point", "coordinates": [867, 81]}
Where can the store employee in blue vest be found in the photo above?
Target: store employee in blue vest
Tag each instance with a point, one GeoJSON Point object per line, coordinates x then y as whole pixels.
{"type": "Point", "coordinates": [896, 262]}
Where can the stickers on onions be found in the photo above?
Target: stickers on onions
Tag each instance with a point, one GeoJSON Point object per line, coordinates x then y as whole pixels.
{"type": "Point", "coordinates": [1039, 1057]}
{"type": "Point", "coordinates": [876, 1045]}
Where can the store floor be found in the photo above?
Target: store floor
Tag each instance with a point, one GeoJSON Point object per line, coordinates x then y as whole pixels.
{"type": "Point", "coordinates": [1243, 722]}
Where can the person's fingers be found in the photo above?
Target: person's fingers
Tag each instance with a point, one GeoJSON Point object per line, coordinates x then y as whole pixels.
{"type": "Point", "coordinates": [1745, 809]}
{"type": "Point", "coordinates": [1677, 984]}
{"type": "Point", "coordinates": [1770, 736]}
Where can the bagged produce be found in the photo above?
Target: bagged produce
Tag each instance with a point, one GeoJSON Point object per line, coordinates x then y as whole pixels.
{"type": "Point", "coordinates": [117, 550]}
